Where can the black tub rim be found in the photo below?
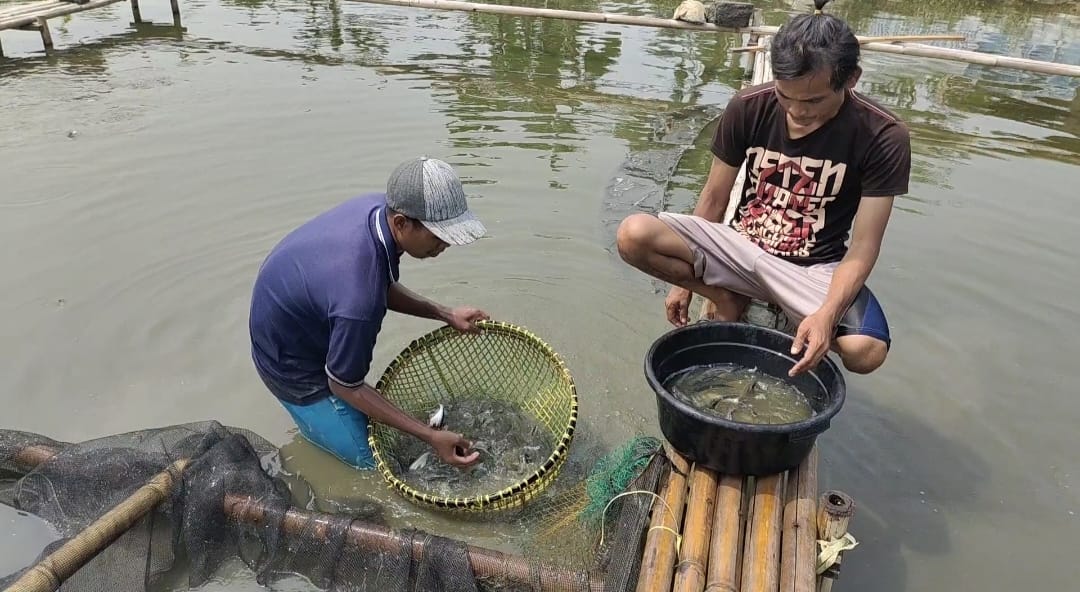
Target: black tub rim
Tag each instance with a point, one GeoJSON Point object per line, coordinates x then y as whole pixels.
{"type": "Point", "coordinates": [796, 430]}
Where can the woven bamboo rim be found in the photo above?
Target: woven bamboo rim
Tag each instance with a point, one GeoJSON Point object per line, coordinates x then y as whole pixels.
{"type": "Point", "coordinates": [509, 497]}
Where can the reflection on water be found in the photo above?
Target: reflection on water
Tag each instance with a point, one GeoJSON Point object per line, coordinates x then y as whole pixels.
{"type": "Point", "coordinates": [129, 248]}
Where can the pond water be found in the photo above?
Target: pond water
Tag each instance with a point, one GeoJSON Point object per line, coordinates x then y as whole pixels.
{"type": "Point", "coordinates": [146, 171]}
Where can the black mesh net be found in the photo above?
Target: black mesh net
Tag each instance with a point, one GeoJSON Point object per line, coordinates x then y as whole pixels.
{"type": "Point", "coordinates": [222, 497]}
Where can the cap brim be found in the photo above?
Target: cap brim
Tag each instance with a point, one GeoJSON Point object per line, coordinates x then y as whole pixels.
{"type": "Point", "coordinates": [462, 230]}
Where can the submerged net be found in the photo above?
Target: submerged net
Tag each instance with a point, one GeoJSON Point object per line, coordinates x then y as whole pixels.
{"type": "Point", "coordinates": [233, 502]}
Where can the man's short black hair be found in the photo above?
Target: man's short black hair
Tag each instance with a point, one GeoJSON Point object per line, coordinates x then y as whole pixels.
{"type": "Point", "coordinates": [811, 42]}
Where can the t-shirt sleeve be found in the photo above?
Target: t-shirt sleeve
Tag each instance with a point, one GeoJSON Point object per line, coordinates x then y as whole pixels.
{"type": "Point", "coordinates": [352, 342]}
{"type": "Point", "coordinates": [729, 141]}
{"type": "Point", "coordinates": [887, 166]}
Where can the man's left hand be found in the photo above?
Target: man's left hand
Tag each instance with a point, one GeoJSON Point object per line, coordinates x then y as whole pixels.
{"type": "Point", "coordinates": [815, 336]}
{"type": "Point", "coordinates": [463, 318]}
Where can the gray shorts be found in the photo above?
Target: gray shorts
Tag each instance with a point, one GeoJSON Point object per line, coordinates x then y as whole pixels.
{"type": "Point", "coordinates": [727, 259]}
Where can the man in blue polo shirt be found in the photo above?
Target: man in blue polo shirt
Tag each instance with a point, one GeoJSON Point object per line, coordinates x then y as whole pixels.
{"type": "Point", "coordinates": [321, 295]}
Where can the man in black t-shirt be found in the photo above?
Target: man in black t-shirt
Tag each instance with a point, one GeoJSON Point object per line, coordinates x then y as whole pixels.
{"type": "Point", "coordinates": [821, 161]}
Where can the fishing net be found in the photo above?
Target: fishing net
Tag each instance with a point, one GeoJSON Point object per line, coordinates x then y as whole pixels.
{"type": "Point", "coordinates": [221, 498]}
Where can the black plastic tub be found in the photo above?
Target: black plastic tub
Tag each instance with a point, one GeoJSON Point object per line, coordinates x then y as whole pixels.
{"type": "Point", "coordinates": [728, 446]}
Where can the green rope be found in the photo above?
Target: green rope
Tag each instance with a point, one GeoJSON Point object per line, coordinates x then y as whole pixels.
{"type": "Point", "coordinates": [614, 472]}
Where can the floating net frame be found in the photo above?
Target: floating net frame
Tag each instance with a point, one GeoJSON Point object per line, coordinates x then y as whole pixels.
{"type": "Point", "coordinates": [501, 361]}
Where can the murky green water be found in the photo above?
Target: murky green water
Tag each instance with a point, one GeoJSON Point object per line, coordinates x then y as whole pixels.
{"type": "Point", "coordinates": [739, 393]}
{"type": "Point", "coordinates": [130, 248]}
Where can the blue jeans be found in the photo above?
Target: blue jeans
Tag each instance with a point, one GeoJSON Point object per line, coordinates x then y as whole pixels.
{"type": "Point", "coordinates": [330, 424]}
{"type": "Point", "coordinates": [336, 427]}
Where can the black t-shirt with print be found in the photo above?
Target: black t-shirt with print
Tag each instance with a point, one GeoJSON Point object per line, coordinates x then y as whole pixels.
{"type": "Point", "coordinates": [800, 196]}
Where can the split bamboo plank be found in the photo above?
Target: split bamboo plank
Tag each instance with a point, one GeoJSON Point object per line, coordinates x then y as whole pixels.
{"type": "Point", "coordinates": [726, 538]}
{"type": "Point", "coordinates": [658, 559]}
{"type": "Point", "coordinates": [798, 545]}
{"type": "Point", "coordinates": [697, 531]}
{"type": "Point", "coordinates": [761, 561]}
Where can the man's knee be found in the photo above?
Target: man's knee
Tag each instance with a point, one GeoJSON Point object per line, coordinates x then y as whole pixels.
{"type": "Point", "coordinates": [635, 236]}
{"type": "Point", "coordinates": [862, 354]}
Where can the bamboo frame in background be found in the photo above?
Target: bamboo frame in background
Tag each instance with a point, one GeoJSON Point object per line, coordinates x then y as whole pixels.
{"type": "Point", "coordinates": [902, 48]}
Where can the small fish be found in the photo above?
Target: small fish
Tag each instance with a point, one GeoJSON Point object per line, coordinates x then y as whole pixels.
{"type": "Point", "coordinates": [437, 419]}
{"type": "Point", "coordinates": [420, 462]}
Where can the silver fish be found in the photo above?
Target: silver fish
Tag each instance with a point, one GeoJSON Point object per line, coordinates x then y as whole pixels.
{"type": "Point", "coordinates": [437, 419]}
{"type": "Point", "coordinates": [420, 462]}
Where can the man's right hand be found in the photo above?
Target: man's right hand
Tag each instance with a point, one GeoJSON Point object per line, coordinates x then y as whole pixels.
{"type": "Point", "coordinates": [451, 448]}
{"type": "Point", "coordinates": [677, 304]}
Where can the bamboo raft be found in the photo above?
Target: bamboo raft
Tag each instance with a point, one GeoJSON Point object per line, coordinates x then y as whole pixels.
{"type": "Point", "coordinates": [35, 15]}
{"type": "Point", "coordinates": [729, 533]}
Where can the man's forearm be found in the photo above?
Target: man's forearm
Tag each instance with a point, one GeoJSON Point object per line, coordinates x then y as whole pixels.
{"type": "Point", "coordinates": [377, 408]}
{"type": "Point", "coordinates": [401, 299]}
{"type": "Point", "coordinates": [712, 207]}
{"type": "Point", "coordinates": [715, 195]}
{"type": "Point", "coordinates": [847, 279]}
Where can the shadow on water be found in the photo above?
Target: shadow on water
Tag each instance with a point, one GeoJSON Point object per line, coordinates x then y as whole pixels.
{"type": "Point", "coordinates": [890, 462]}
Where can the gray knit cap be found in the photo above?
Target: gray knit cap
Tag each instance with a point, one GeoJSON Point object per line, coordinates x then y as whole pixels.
{"type": "Point", "coordinates": [429, 190]}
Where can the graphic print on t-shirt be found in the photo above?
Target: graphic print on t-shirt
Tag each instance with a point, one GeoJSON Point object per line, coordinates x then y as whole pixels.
{"type": "Point", "coordinates": [783, 208]}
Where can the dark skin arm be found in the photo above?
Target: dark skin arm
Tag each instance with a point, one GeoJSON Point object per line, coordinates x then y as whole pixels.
{"type": "Point", "coordinates": [448, 445]}
{"type": "Point", "coordinates": [867, 232]}
{"type": "Point", "coordinates": [403, 300]}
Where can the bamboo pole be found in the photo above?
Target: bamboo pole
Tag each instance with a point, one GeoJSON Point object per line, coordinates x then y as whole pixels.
{"type": "Point", "coordinates": [865, 40]}
{"type": "Point", "coordinates": [46, 35]}
{"type": "Point", "coordinates": [70, 8]}
{"type": "Point", "coordinates": [658, 559]}
{"type": "Point", "coordinates": [697, 530]}
{"type": "Point", "coordinates": [910, 49]}
{"type": "Point", "coordinates": [726, 536]}
{"type": "Point", "coordinates": [572, 15]}
{"type": "Point", "coordinates": [835, 509]}
{"type": "Point", "coordinates": [761, 564]}
{"type": "Point", "coordinates": [798, 552]}
{"type": "Point", "coordinates": [975, 57]}
{"type": "Point", "coordinates": [51, 572]}
{"type": "Point", "coordinates": [34, 8]}
{"type": "Point", "coordinates": [485, 563]}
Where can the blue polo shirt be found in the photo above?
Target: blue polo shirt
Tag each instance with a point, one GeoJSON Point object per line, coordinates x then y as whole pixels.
{"type": "Point", "coordinates": [320, 298]}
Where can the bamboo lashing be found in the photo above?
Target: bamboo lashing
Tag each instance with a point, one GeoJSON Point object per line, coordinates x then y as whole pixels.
{"type": "Point", "coordinates": [835, 509]}
{"type": "Point", "coordinates": [662, 540]}
{"type": "Point", "coordinates": [798, 552]}
{"type": "Point", "coordinates": [697, 531]}
{"type": "Point", "coordinates": [51, 572]}
{"type": "Point", "coordinates": [910, 49]}
{"type": "Point", "coordinates": [726, 543]}
{"type": "Point", "coordinates": [761, 565]}
{"type": "Point", "coordinates": [485, 563]}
